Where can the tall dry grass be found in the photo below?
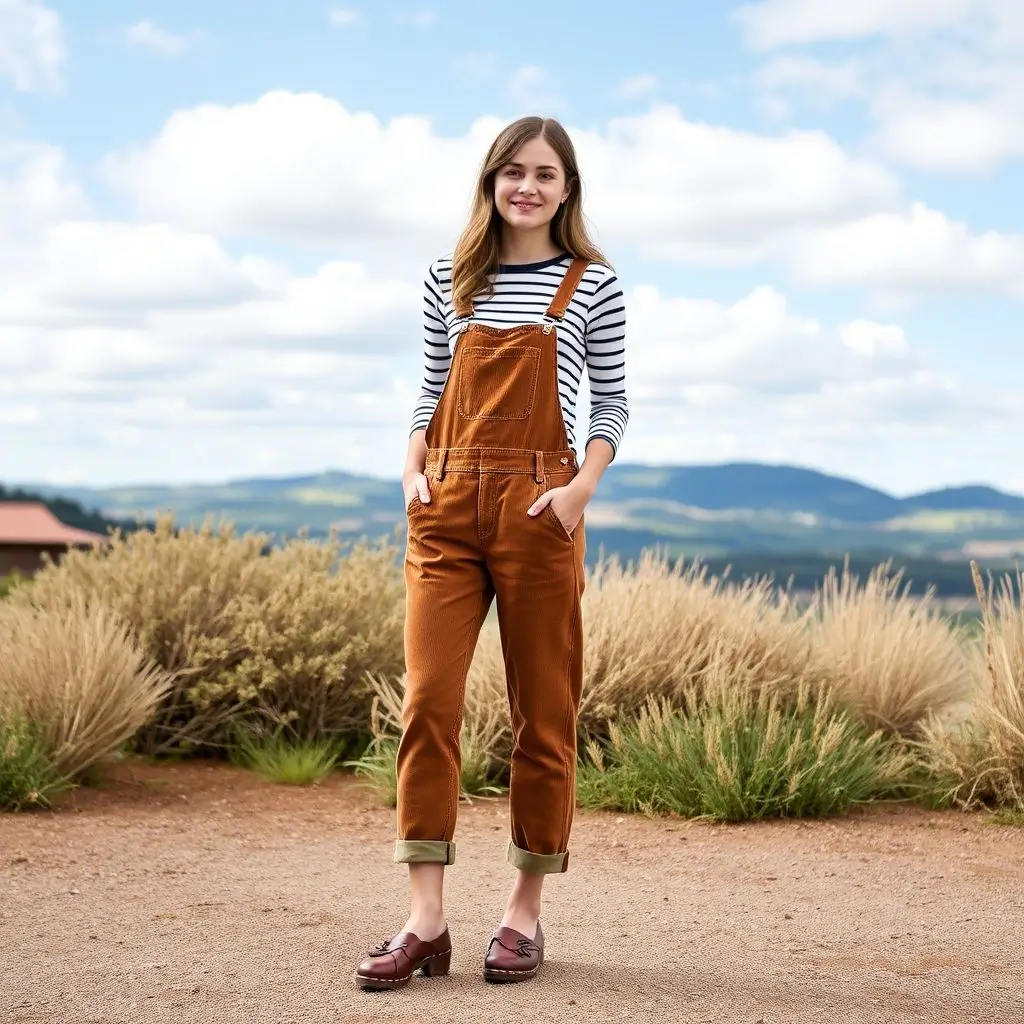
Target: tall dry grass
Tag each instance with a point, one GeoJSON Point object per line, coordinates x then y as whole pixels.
{"type": "Point", "coordinates": [894, 659]}
{"type": "Point", "coordinates": [661, 630]}
{"type": "Point", "coordinates": [981, 757]}
{"type": "Point", "coordinates": [284, 638]}
{"type": "Point", "coordinates": [74, 682]}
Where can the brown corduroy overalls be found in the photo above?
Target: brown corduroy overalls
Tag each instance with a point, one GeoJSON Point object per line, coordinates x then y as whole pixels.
{"type": "Point", "coordinates": [495, 443]}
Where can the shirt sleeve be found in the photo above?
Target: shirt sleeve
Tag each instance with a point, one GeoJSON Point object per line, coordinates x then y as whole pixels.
{"type": "Point", "coordinates": [437, 354]}
{"type": "Point", "coordinates": [606, 363]}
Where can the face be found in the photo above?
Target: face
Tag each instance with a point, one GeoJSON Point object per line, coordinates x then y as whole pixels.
{"type": "Point", "coordinates": [530, 187]}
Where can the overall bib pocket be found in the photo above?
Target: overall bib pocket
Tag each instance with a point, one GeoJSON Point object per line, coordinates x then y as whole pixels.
{"type": "Point", "coordinates": [498, 384]}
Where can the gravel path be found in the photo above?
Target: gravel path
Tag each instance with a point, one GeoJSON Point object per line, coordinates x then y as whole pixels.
{"type": "Point", "coordinates": [198, 893]}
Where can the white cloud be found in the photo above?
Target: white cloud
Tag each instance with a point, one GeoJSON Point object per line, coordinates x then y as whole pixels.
{"type": "Point", "coordinates": [915, 252]}
{"type": "Point", "coordinates": [637, 85]}
{"type": "Point", "coordinates": [84, 272]}
{"type": "Point", "coordinates": [36, 188]}
{"type": "Point", "coordinates": [32, 49]}
{"type": "Point", "coordinates": [951, 135]}
{"type": "Point", "coordinates": [282, 167]}
{"type": "Point", "coordinates": [942, 79]}
{"type": "Point", "coordinates": [147, 35]}
{"type": "Point", "coordinates": [775, 23]}
{"type": "Point", "coordinates": [343, 17]}
{"type": "Point", "coordinates": [756, 347]}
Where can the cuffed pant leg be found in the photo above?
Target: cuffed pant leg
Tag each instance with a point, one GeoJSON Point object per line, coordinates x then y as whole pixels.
{"type": "Point", "coordinates": [537, 863]}
{"type": "Point", "coordinates": [424, 851]}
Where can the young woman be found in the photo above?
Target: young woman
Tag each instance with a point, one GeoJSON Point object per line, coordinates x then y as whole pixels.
{"type": "Point", "coordinates": [495, 500]}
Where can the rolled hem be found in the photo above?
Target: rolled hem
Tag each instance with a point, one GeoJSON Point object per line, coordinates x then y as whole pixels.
{"type": "Point", "coordinates": [537, 863]}
{"type": "Point", "coordinates": [424, 851]}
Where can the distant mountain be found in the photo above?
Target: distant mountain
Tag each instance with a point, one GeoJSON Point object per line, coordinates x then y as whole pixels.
{"type": "Point", "coordinates": [964, 498]}
{"type": "Point", "coordinates": [751, 485]}
{"type": "Point", "coordinates": [713, 511]}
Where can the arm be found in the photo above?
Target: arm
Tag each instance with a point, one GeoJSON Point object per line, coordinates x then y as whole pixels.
{"type": "Point", "coordinates": [609, 411]}
{"type": "Point", "coordinates": [606, 369]}
{"type": "Point", "coordinates": [437, 358]}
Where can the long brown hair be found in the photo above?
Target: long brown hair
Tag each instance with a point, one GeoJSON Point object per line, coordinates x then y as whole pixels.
{"type": "Point", "coordinates": [478, 251]}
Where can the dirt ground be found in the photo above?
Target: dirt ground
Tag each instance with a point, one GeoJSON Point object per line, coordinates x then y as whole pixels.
{"type": "Point", "coordinates": [199, 893]}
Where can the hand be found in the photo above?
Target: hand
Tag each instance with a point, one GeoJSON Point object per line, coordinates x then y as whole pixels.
{"type": "Point", "coordinates": [566, 502]}
{"type": "Point", "coordinates": [414, 484]}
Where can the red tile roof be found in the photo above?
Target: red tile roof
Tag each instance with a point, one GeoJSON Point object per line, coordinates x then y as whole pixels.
{"type": "Point", "coordinates": [25, 522]}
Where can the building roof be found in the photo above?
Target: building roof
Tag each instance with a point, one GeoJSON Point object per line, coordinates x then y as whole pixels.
{"type": "Point", "coordinates": [32, 523]}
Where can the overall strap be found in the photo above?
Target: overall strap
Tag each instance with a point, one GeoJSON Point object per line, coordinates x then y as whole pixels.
{"type": "Point", "coordinates": [566, 290]}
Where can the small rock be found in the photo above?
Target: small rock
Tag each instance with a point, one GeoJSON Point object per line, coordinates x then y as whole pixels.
{"type": "Point", "coordinates": [788, 917]}
{"type": "Point", "coordinates": [19, 860]}
{"type": "Point", "coordinates": [73, 892]}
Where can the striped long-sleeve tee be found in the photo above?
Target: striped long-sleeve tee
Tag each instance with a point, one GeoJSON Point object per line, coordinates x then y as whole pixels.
{"type": "Point", "coordinates": [591, 336]}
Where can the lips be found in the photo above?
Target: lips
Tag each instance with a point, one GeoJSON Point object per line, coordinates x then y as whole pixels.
{"type": "Point", "coordinates": [526, 207]}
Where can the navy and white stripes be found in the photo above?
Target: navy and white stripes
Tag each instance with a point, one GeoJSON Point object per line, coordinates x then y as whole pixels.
{"type": "Point", "coordinates": [592, 334]}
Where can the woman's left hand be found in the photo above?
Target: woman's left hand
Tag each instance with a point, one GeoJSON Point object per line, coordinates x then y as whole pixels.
{"type": "Point", "coordinates": [567, 503]}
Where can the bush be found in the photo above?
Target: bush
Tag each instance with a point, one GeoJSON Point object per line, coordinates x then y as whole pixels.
{"type": "Point", "coordinates": [75, 685]}
{"type": "Point", "coordinates": [284, 639]}
{"type": "Point", "coordinates": [895, 659]}
{"type": "Point", "coordinates": [982, 757]}
{"type": "Point", "coordinates": [738, 756]}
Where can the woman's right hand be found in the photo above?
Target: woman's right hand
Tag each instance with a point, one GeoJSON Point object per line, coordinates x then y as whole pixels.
{"type": "Point", "coordinates": [414, 484]}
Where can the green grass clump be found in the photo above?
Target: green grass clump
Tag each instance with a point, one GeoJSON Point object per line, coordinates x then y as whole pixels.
{"type": "Point", "coordinates": [284, 759]}
{"type": "Point", "coordinates": [740, 756]}
{"type": "Point", "coordinates": [9, 582]}
{"type": "Point", "coordinates": [378, 766]}
{"type": "Point", "coordinates": [28, 775]}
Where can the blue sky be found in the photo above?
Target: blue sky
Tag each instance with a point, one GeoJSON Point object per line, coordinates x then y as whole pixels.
{"type": "Point", "coordinates": [216, 220]}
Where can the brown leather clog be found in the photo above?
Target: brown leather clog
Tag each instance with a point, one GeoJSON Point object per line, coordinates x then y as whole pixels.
{"type": "Point", "coordinates": [392, 963]}
{"type": "Point", "coordinates": [512, 956]}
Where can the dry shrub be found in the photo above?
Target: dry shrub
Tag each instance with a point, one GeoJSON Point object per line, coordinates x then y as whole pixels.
{"type": "Point", "coordinates": [982, 758]}
{"type": "Point", "coordinates": [283, 638]}
{"type": "Point", "coordinates": [893, 658]}
{"type": "Point", "coordinates": [658, 630]}
{"type": "Point", "coordinates": [77, 674]}
{"type": "Point", "coordinates": [298, 644]}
